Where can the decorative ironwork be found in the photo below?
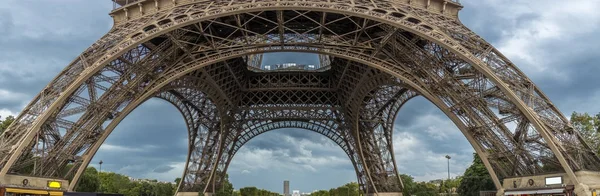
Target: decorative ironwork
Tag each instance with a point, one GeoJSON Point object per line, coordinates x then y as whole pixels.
{"type": "Point", "coordinates": [202, 56]}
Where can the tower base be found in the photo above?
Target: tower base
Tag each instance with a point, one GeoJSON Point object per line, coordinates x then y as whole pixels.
{"type": "Point", "coordinates": [33, 182]}
{"type": "Point", "coordinates": [588, 182]}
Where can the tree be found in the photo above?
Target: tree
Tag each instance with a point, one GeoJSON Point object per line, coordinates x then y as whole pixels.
{"type": "Point", "coordinates": [89, 182]}
{"type": "Point", "coordinates": [409, 184]}
{"type": "Point", "coordinates": [589, 128]}
{"type": "Point", "coordinates": [253, 191]}
{"type": "Point", "coordinates": [320, 193]}
{"type": "Point", "coordinates": [226, 188]}
{"type": "Point", "coordinates": [5, 123]}
{"type": "Point", "coordinates": [115, 183]}
{"type": "Point", "coordinates": [475, 179]}
{"type": "Point", "coordinates": [447, 186]}
{"type": "Point", "coordinates": [333, 192]}
{"type": "Point", "coordinates": [425, 189]}
{"type": "Point", "coordinates": [249, 191]}
{"type": "Point", "coordinates": [352, 188]}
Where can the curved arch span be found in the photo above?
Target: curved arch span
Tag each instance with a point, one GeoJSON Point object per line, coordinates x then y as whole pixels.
{"type": "Point", "coordinates": [328, 132]}
{"type": "Point", "coordinates": [460, 73]}
{"type": "Point", "coordinates": [150, 93]}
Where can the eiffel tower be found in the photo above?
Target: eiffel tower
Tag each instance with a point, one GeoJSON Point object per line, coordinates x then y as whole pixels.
{"type": "Point", "coordinates": [205, 57]}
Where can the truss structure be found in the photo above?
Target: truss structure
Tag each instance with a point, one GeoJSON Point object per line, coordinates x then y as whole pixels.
{"type": "Point", "coordinates": [201, 56]}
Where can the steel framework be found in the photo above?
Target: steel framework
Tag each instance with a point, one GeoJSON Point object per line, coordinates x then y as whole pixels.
{"type": "Point", "coordinates": [201, 56]}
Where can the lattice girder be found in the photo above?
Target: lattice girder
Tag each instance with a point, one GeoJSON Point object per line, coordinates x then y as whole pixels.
{"type": "Point", "coordinates": [202, 119]}
{"type": "Point", "coordinates": [377, 122]}
{"type": "Point", "coordinates": [432, 54]}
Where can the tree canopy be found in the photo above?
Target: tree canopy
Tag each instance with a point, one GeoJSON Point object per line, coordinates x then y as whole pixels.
{"type": "Point", "coordinates": [89, 182]}
{"type": "Point", "coordinates": [475, 179]}
{"type": "Point", "coordinates": [589, 128]}
{"type": "Point", "coordinates": [117, 183]}
{"type": "Point", "coordinates": [253, 191]}
{"type": "Point", "coordinates": [5, 123]}
{"type": "Point", "coordinates": [349, 189]}
{"type": "Point", "coordinates": [226, 188]}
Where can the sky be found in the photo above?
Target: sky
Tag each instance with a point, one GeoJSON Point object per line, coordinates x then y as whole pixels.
{"type": "Point", "coordinates": [554, 42]}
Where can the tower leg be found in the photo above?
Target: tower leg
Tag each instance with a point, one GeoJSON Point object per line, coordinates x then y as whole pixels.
{"type": "Point", "coordinates": [500, 192]}
{"type": "Point", "coordinates": [377, 150]}
{"type": "Point", "coordinates": [582, 189]}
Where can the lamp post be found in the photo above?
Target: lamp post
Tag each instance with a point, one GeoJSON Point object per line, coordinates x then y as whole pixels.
{"type": "Point", "coordinates": [100, 166]}
{"type": "Point", "coordinates": [448, 157]}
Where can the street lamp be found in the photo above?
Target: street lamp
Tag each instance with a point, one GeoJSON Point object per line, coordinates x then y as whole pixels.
{"type": "Point", "coordinates": [448, 157]}
{"type": "Point", "coordinates": [101, 166]}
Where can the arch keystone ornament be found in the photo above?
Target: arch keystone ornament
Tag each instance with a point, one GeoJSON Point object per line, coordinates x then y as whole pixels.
{"type": "Point", "coordinates": [204, 58]}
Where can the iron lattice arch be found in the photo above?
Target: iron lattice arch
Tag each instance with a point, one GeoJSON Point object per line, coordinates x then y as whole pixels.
{"type": "Point", "coordinates": [194, 54]}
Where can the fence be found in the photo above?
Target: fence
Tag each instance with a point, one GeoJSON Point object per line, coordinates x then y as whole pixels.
{"type": "Point", "coordinates": [487, 193]}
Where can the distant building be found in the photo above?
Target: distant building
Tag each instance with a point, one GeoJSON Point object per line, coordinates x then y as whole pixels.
{"type": "Point", "coordinates": [296, 193]}
{"type": "Point", "coordinates": [436, 182]}
{"type": "Point", "coordinates": [286, 188]}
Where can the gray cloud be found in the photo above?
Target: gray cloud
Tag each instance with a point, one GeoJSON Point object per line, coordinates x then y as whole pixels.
{"type": "Point", "coordinates": [555, 43]}
{"type": "Point", "coordinates": [152, 135]}
{"type": "Point", "coordinates": [6, 22]}
{"type": "Point", "coordinates": [163, 169]}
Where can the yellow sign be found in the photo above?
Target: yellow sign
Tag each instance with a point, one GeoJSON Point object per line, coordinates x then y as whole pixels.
{"type": "Point", "coordinates": [54, 184]}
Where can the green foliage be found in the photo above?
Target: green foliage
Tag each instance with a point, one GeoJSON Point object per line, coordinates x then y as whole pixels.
{"type": "Point", "coordinates": [114, 183]}
{"type": "Point", "coordinates": [320, 193]}
{"type": "Point", "coordinates": [353, 188]}
{"type": "Point", "coordinates": [249, 191]}
{"type": "Point", "coordinates": [226, 188]}
{"type": "Point", "coordinates": [475, 179]}
{"type": "Point", "coordinates": [409, 184]}
{"type": "Point", "coordinates": [253, 191]}
{"type": "Point", "coordinates": [450, 185]}
{"type": "Point", "coordinates": [350, 189]}
{"type": "Point", "coordinates": [425, 189]}
{"type": "Point", "coordinates": [117, 183]}
{"type": "Point", "coordinates": [5, 123]}
{"type": "Point", "coordinates": [589, 128]}
{"type": "Point", "coordinates": [89, 182]}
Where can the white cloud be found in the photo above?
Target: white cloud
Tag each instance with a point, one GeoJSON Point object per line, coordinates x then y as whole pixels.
{"type": "Point", "coordinates": [4, 113]}
{"type": "Point", "coordinates": [118, 148]}
{"type": "Point", "coordinates": [250, 159]}
{"type": "Point", "coordinates": [420, 147]}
